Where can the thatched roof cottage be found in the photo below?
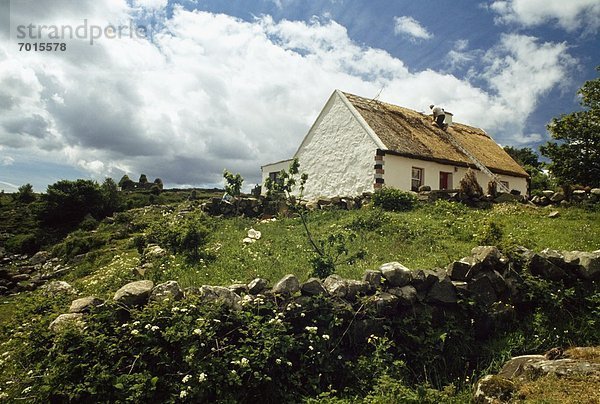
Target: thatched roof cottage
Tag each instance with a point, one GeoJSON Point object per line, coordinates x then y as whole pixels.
{"type": "Point", "coordinates": [357, 145]}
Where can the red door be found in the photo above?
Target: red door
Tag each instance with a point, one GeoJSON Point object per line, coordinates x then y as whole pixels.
{"type": "Point", "coordinates": [445, 180]}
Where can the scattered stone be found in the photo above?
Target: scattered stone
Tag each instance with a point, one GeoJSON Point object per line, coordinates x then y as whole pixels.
{"type": "Point", "coordinates": [57, 287]}
{"type": "Point", "coordinates": [482, 290]}
{"type": "Point", "coordinates": [239, 288]}
{"type": "Point", "coordinates": [553, 214]}
{"type": "Point", "coordinates": [548, 193]}
{"type": "Point", "coordinates": [257, 286]}
{"type": "Point", "coordinates": [541, 266]}
{"type": "Point", "coordinates": [39, 257]}
{"type": "Point", "coordinates": [169, 290]}
{"type": "Point", "coordinates": [557, 197]}
{"type": "Point", "coordinates": [385, 303]}
{"type": "Point", "coordinates": [248, 240]}
{"type": "Point", "coordinates": [288, 285]}
{"type": "Point", "coordinates": [492, 389]}
{"type": "Point", "coordinates": [460, 270]}
{"type": "Point", "coordinates": [85, 304]}
{"type": "Point", "coordinates": [154, 251]}
{"type": "Point", "coordinates": [65, 320]}
{"type": "Point", "coordinates": [595, 191]}
{"type": "Point", "coordinates": [396, 274]}
{"type": "Point", "coordinates": [507, 197]}
{"type": "Point", "coordinates": [336, 286]}
{"type": "Point", "coordinates": [134, 293]}
{"type": "Point", "coordinates": [587, 264]}
{"type": "Point", "coordinates": [373, 278]}
{"type": "Point", "coordinates": [356, 288]}
{"type": "Point", "coordinates": [254, 234]}
{"type": "Point", "coordinates": [442, 292]}
{"type": "Point", "coordinates": [313, 287]}
{"type": "Point", "coordinates": [407, 295]}
{"type": "Point", "coordinates": [489, 256]}
{"type": "Point", "coordinates": [220, 294]}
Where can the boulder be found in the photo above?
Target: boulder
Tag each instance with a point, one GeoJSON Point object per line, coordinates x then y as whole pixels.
{"type": "Point", "coordinates": [154, 251]}
{"type": "Point", "coordinates": [595, 191]}
{"type": "Point", "coordinates": [548, 193]}
{"type": "Point", "coordinates": [384, 303]}
{"type": "Point", "coordinates": [587, 264]}
{"type": "Point", "coordinates": [554, 214]}
{"type": "Point", "coordinates": [85, 304]}
{"type": "Point", "coordinates": [489, 257]}
{"type": "Point", "coordinates": [544, 268]}
{"type": "Point", "coordinates": [407, 295]}
{"type": "Point", "coordinates": [507, 197]}
{"type": "Point", "coordinates": [134, 293]}
{"type": "Point", "coordinates": [313, 287]}
{"type": "Point", "coordinates": [57, 287]}
{"type": "Point", "coordinates": [169, 290]}
{"type": "Point", "coordinates": [557, 197]}
{"type": "Point", "coordinates": [396, 274]}
{"type": "Point", "coordinates": [442, 292]}
{"type": "Point", "coordinates": [288, 285]}
{"type": "Point", "coordinates": [239, 288]}
{"type": "Point", "coordinates": [460, 270]}
{"type": "Point", "coordinates": [482, 290]}
{"type": "Point", "coordinates": [257, 285]}
{"type": "Point", "coordinates": [373, 278]}
{"type": "Point", "coordinates": [356, 288]}
{"type": "Point", "coordinates": [65, 320]}
{"type": "Point", "coordinates": [493, 389]}
{"type": "Point", "coordinates": [336, 286]}
{"type": "Point", "coordinates": [219, 294]}
{"type": "Point", "coordinates": [39, 257]}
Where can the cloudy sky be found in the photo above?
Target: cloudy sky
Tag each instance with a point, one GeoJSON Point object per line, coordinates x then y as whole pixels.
{"type": "Point", "coordinates": [182, 89]}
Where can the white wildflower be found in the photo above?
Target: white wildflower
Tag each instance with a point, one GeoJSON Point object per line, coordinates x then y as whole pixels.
{"type": "Point", "coordinates": [186, 378]}
{"type": "Point", "coordinates": [154, 328]}
{"type": "Point", "coordinates": [325, 337]}
{"type": "Point", "coordinates": [310, 329]}
{"type": "Point", "coordinates": [278, 361]}
{"type": "Point", "coordinates": [202, 377]}
{"type": "Point", "coordinates": [183, 394]}
{"type": "Point", "coordinates": [244, 362]}
{"type": "Point", "coordinates": [197, 331]}
{"type": "Point", "coordinates": [135, 332]}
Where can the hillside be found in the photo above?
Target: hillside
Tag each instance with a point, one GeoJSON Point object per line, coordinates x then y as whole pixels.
{"type": "Point", "coordinates": [176, 241]}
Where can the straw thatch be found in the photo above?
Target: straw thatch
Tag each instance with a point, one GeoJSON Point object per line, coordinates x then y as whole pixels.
{"type": "Point", "coordinates": [409, 133]}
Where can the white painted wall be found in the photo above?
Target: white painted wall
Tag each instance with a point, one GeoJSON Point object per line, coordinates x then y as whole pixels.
{"type": "Point", "coordinates": [338, 154]}
{"type": "Point", "coordinates": [398, 172]}
{"type": "Point", "coordinates": [273, 168]}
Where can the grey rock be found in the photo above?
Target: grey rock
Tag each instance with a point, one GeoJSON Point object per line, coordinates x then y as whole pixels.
{"type": "Point", "coordinates": [313, 287]}
{"type": "Point", "coordinates": [544, 268]}
{"type": "Point", "coordinates": [384, 303]}
{"type": "Point", "coordinates": [356, 288]}
{"type": "Point", "coordinates": [21, 277]}
{"type": "Point", "coordinates": [134, 293]}
{"type": "Point", "coordinates": [482, 290]}
{"type": "Point", "coordinates": [442, 292]}
{"type": "Point", "coordinates": [534, 366]}
{"type": "Point", "coordinates": [336, 286]}
{"type": "Point", "coordinates": [239, 288]}
{"type": "Point", "coordinates": [57, 287]}
{"type": "Point", "coordinates": [373, 278]}
{"type": "Point", "coordinates": [396, 274]}
{"type": "Point", "coordinates": [587, 264]}
{"type": "Point", "coordinates": [85, 304]}
{"type": "Point", "coordinates": [424, 279]}
{"type": "Point", "coordinates": [553, 214]}
{"type": "Point", "coordinates": [39, 257]}
{"type": "Point", "coordinates": [557, 197]}
{"type": "Point", "coordinates": [548, 193]}
{"type": "Point", "coordinates": [489, 256]}
{"type": "Point", "coordinates": [168, 290]}
{"type": "Point", "coordinates": [595, 191]}
{"type": "Point", "coordinates": [407, 295]}
{"type": "Point", "coordinates": [288, 285]}
{"type": "Point", "coordinates": [493, 389]}
{"type": "Point", "coordinates": [507, 197]}
{"type": "Point", "coordinates": [460, 270]}
{"type": "Point", "coordinates": [257, 286]}
{"type": "Point", "coordinates": [66, 320]}
{"type": "Point", "coordinates": [220, 294]}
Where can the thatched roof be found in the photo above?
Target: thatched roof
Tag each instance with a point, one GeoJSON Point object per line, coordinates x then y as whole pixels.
{"type": "Point", "coordinates": [412, 134]}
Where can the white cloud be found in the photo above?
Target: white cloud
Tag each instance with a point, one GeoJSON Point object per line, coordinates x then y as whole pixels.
{"type": "Point", "coordinates": [7, 161]}
{"type": "Point", "coordinates": [212, 91]}
{"type": "Point", "coordinates": [570, 15]}
{"type": "Point", "coordinates": [409, 26]}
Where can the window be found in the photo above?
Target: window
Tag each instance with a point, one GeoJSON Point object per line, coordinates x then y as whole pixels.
{"type": "Point", "coordinates": [417, 178]}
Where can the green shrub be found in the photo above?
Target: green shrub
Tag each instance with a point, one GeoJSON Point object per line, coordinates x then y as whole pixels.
{"type": "Point", "coordinates": [23, 244]}
{"type": "Point", "coordinates": [185, 236]}
{"type": "Point", "coordinates": [394, 199]}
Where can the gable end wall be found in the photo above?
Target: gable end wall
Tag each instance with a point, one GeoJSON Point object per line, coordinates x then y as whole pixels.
{"type": "Point", "coordinates": [337, 154]}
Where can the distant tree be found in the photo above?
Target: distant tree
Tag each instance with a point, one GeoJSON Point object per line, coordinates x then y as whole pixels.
{"type": "Point", "coordinates": [233, 183]}
{"type": "Point", "coordinates": [25, 194]}
{"type": "Point", "coordinates": [126, 183]}
{"type": "Point", "coordinates": [530, 162]}
{"type": "Point", "coordinates": [155, 189]}
{"type": "Point", "coordinates": [158, 182]}
{"type": "Point", "coordinates": [112, 200]}
{"type": "Point", "coordinates": [525, 156]}
{"type": "Point", "coordinates": [143, 179]}
{"type": "Point", "coordinates": [576, 157]}
{"type": "Point", "coordinates": [66, 202]}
